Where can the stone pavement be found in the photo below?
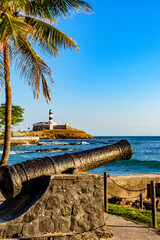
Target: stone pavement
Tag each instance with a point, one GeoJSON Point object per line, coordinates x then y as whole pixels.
{"type": "Point", "coordinates": [125, 229]}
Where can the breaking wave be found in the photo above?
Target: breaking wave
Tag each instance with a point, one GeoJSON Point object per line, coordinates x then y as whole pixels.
{"type": "Point", "coordinates": [17, 152]}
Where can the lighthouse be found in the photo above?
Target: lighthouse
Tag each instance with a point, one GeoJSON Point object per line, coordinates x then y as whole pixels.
{"type": "Point", "coordinates": [49, 125]}
{"type": "Point", "coordinates": [50, 116]}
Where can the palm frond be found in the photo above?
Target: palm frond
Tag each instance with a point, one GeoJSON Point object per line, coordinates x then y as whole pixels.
{"type": "Point", "coordinates": [32, 67]}
{"type": "Point", "coordinates": [49, 37]}
{"type": "Point", "coordinates": [22, 21]}
{"type": "Point", "coordinates": [46, 89]}
{"type": "Point", "coordinates": [52, 8]}
{"type": "Point", "coordinates": [13, 5]}
{"type": "Point", "coordinates": [11, 27]}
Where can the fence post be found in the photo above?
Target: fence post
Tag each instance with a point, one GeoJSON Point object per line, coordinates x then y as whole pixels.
{"type": "Point", "coordinates": [153, 199]}
{"type": "Point", "coordinates": [105, 191]}
{"type": "Point", "coordinates": [141, 201]}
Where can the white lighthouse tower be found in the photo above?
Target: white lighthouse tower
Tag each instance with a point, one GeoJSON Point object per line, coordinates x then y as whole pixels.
{"type": "Point", "coordinates": [51, 124]}
{"type": "Point", "coordinates": [50, 116]}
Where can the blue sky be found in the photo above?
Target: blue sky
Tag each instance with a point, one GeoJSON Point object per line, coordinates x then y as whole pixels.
{"type": "Point", "coordinates": [113, 86]}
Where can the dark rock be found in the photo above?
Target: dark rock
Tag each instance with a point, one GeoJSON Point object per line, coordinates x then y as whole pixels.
{"type": "Point", "coordinates": [55, 149]}
{"type": "Point", "coordinates": [67, 149]}
{"type": "Point", "coordinates": [147, 206]}
{"type": "Point", "coordinates": [136, 204]}
{"type": "Point", "coordinates": [74, 143]}
{"type": "Point", "coordinates": [44, 150]}
{"type": "Point", "coordinates": [115, 200]}
{"type": "Point", "coordinates": [129, 202]}
{"type": "Point", "coordinates": [64, 149]}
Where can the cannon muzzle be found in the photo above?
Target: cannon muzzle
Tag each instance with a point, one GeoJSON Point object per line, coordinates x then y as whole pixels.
{"type": "Point", "coordinates": [27, 175]}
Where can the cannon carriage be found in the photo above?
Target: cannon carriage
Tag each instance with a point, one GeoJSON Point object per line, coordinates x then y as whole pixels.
{"type": "Point", "coordinates": [41, 200]}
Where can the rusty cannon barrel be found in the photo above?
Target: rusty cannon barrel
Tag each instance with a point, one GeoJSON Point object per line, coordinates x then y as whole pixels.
{"type": "Point", "coordinates": [14, 178]}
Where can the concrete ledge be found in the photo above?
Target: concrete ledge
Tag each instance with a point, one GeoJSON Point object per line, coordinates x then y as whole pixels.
{"type": "Point", "coordinates": [22, 140]}
{"type": "Point", "coordinates": [132, 182]}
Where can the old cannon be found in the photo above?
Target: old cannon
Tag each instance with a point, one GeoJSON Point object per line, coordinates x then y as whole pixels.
{"type": "Point", "coordinates": [41, 203]}
{"type": "Point", "coordinates": [24, 176]}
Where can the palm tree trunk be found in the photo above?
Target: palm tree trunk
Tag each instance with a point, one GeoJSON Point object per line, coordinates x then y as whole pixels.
{"type": "Point", "coordinates": [8, 110]}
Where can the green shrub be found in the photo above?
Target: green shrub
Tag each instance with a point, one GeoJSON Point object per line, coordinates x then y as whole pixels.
{"type": "Point", "coordinates": [60, 136]}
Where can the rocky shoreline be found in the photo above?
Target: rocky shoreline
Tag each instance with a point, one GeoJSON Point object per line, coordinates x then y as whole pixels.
{"type": "Point", "coordinates": [32, 137]}
{"type": "Point", "coordinates": [55, 149]}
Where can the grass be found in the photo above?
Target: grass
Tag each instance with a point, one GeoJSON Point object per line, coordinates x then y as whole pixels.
{"type": "Point", "coordinates": [143, 216]}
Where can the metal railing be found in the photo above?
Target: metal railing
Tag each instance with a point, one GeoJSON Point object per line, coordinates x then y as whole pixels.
{"type": "Point", "coordinates": [152, 189]}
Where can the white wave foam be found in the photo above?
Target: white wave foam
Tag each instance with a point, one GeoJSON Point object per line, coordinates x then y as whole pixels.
{"type": "Point", "coordinates": [16, 152]}
{"type": "Point", "coordinates": [52, 143]}
{"type": "Point", "coordinates": [63, 143]}
{"type": "Point", "coordinates": [83, 143]}
{"type": "Point", "coordinates": [58, 143]}
{"type": "Point", "coordinates": [19, 152]}
{"type": "Point", "coordinates": [45, 143]}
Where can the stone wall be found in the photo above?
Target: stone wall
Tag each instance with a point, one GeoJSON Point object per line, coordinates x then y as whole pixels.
{"type": "Point", "coordinates": [68, 207]}
{"type": "Point", "coordinates": [65, 126]}
{"type": "Point", "coordinates": [132, 182]}
{"type": "Point", "coordinates": [69, 204]}
{"type": "Point", "coordinates": [51, 127]}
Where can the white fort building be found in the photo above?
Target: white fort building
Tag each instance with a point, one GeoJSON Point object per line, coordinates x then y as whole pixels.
{"type": "Point", "coordinates": [50, 125]}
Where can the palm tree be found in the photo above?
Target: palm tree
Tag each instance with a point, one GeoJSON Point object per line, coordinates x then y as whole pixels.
{"type": "Point", "coordinates": [24, 25]}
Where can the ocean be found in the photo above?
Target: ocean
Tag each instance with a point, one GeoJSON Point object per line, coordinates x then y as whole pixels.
{"type": "Point", "coordinates": [145, 159]}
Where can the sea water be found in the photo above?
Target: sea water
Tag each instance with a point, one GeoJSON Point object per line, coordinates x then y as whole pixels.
{"type": "Point", "coordinates": [145, 159]}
